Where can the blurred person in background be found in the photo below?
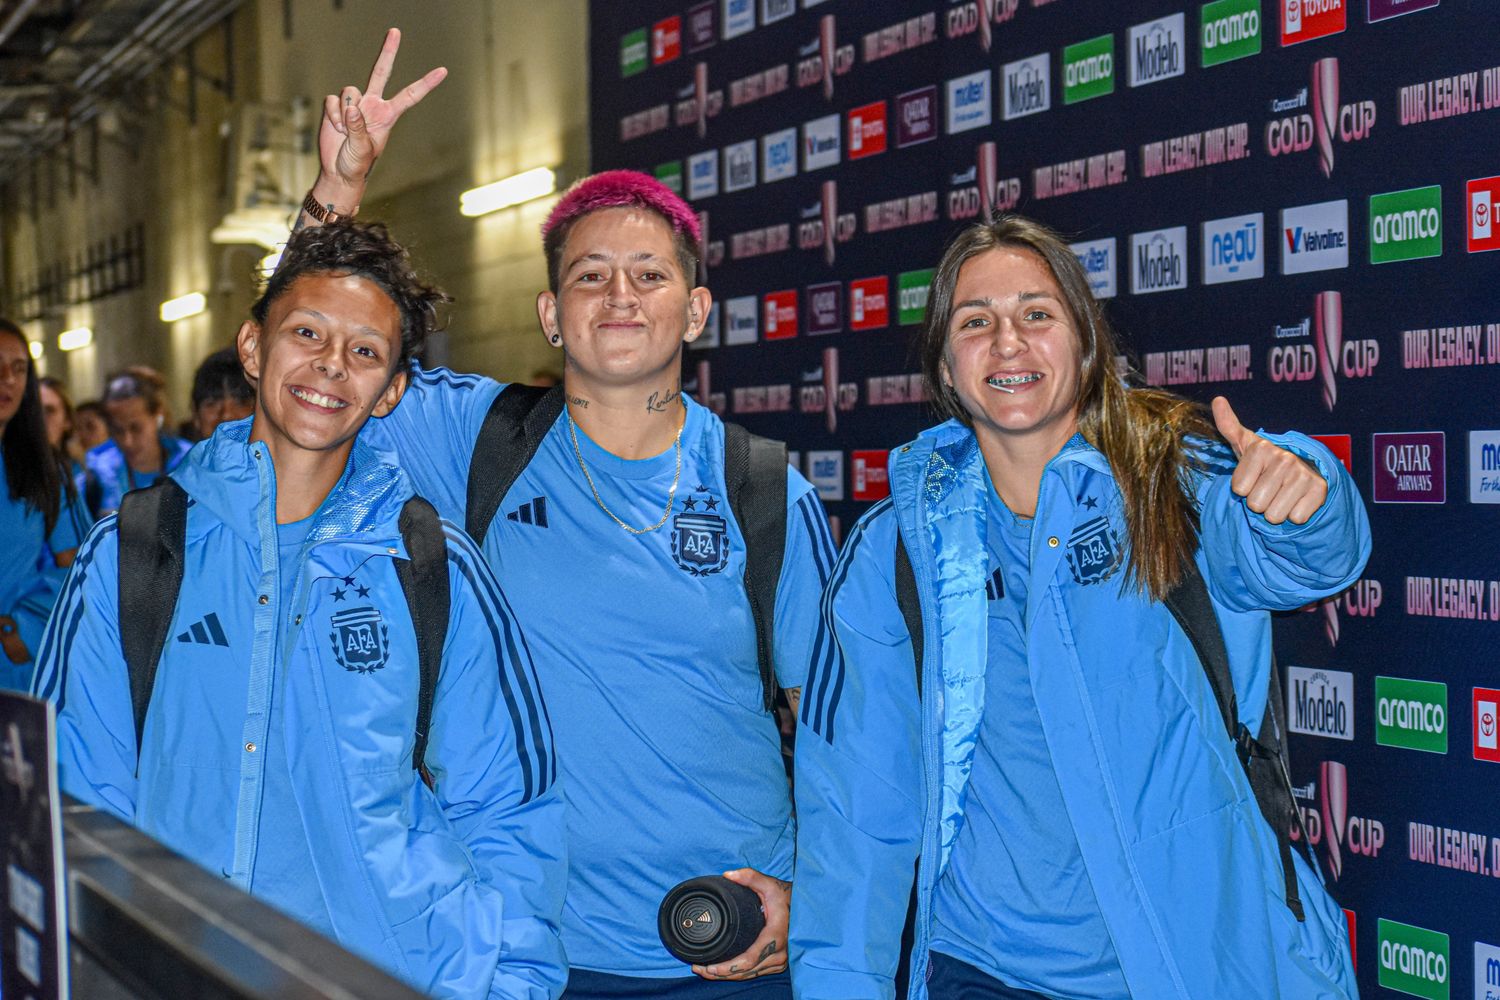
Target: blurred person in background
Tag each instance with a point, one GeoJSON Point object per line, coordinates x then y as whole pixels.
{"type": "Point", "coordinates": [41, 520]}
{"type": "Point", "coordinates": [139, 451]}
{"type": "Point", "coordinates": [220, 393]}
{"type": "Point", "coordinates": [57, 411]}
{"type": "Point", "coordinates": [90, 426]}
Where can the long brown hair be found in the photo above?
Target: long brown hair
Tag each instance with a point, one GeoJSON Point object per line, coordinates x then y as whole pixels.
{"type": "Point", "coordinates": [1140, 431]}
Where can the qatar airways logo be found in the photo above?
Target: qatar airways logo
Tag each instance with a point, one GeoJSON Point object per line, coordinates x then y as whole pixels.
{"type": "Point", "coordinates": [1321, 124]}
{"type": "Point", "coordinates": [1324, 806]}
{"type": "Point", "coordinates": [1329, 357]}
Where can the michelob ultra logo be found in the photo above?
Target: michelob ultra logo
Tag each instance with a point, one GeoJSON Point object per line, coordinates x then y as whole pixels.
{"type": "Point", "coordinates": [1411, 714]}
{"type": "Point", "coordinates": [1413, 960]}
{"type": "Point", "coordinates": [1089, 69]}
{"type": "Point", "coordinates": [1229, 30]}
{"type": "Point", "coordinates": [1406, 225]}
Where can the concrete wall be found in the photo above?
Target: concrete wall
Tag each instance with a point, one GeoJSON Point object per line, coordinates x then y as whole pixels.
{"type": "Point", "coordinates": [516, 98]}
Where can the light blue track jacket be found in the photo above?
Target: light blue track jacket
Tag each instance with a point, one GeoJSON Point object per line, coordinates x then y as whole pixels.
{"type": "Point", "coordinates": [107, 463]}
{"type": "Point", "coordinates": [458, 888]}
{"type": "Point", "coordinates": [1186, 871]}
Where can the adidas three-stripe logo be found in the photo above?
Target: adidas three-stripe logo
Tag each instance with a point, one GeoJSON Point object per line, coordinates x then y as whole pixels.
{"type": "Point", "coordinates": [995, 588]}
{"type": "Point", "coordinates": [534, 512]}
{"type": "Point", "coordinates": [206, 632]}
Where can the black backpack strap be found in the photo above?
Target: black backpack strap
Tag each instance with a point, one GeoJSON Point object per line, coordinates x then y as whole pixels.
{"type": "Point", "coordinates": [1264, 759]}
{"type": "Point", "coordinates": [517, 421]}
{"type": "Point", "coordinates": [910, 604]}
{"type": "Point", "coordinates": [755, 476]}
{"type": "Point", "coordinates": [152, 525]}
{"type": "Point", "coordinates": [424, 581]}
{"type": "Point", "coordinates": [1193, 608]}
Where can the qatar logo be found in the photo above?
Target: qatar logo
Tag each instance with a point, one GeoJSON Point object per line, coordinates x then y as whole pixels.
{"type": "Point", "coordinates": [1325, 121]}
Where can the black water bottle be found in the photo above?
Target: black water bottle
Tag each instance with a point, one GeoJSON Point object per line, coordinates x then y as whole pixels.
{"type": "Point", "coordinates": [708, 919]}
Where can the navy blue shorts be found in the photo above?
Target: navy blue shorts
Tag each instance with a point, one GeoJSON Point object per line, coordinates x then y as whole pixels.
{"type": "Point", "coordinates": [950, 979]}
{"type": "Point", "coordinates": [586, 985]}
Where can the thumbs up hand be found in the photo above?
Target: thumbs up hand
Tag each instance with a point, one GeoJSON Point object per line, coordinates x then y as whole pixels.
{"type": "Point", "coordinates": [1275, 483]}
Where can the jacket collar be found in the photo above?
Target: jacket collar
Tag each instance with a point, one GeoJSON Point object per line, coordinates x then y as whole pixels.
{"type": "Point", "coordinates": [224, 475]}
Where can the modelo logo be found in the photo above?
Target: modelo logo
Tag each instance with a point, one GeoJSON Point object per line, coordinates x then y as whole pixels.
{"type": "Point", "coordinates": [1156, 50]}
{"type": "Point", "coordinates": [965, 202]}
{"type": "Point", "coordinates": [1160, 260]}
{"type": "Point", "coordinates": [1320, 703]}
{"type": "Point", "coordinates": [1027, 91]}
{"type": "Point", "coordinates": [1413, 960]}
{"type": "Point", "coordinates": [1299, 362]}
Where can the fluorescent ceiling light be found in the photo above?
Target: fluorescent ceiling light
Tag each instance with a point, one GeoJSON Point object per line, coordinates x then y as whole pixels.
{"type": "Point", "coordinates": [511, 191]}
{"type": "Point", "coordinates": [268, 263]}
{"type": "Point", "coordinates": [36, 349]}
{"type": "Point", "coordinates": [72, 340]}
{"type": "Point", "coordinates": [182, 307]}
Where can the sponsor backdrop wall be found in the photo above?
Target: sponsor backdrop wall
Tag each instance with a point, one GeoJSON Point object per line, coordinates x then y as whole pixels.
{"type": "Point", "coordinates": [1287, 203]}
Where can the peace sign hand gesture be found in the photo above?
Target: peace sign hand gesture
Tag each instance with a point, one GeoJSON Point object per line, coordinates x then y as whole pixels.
{"type": "Point", "coordinates": [356, 127]}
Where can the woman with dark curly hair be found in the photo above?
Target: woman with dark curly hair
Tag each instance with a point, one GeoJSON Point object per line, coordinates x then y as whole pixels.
{"type": "Point", "coordinates": [40, 517]}
{"type": "Point", "coordinates": [280, 743]}
{"type": "Point", "coordinates": [1060, 775]}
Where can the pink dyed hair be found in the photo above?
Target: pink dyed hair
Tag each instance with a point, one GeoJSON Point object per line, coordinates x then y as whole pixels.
{"type": "Point", "coordinates": [616, 189]}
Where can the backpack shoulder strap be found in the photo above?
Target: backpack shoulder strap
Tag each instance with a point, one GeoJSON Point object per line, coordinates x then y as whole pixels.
{"type": "Point", "coordinates": [1193, 608]}
{"type": "Point", "coordinates": [424, 581]}
{"type": "Point", "coordinates": [517, 421]}
{"type": "Point", "coordinates": [1264, 758]}
{"type": "Point", "coordinates": [152, 536]}
{"type": "Point", "coordinates": [755, 476]}
{"type": "Point", "coordinates": [911, 605]}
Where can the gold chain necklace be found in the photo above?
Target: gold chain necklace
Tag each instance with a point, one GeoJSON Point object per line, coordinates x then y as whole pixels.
{"type": "Point", "coordinates": [671, 493]}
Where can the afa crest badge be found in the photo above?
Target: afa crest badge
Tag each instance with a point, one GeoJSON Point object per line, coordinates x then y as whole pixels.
{"type": "Point", "coordinates": [700, 543]}
{"type": "Point", "coordinates": [1093, 551]}
{"type": "Point", "coordinates": [361, 640]}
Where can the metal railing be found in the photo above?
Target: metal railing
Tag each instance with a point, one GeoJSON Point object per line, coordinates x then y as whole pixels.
{"type": "Point", "coordinates": [147, 924]}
